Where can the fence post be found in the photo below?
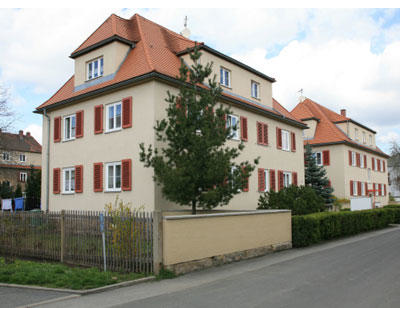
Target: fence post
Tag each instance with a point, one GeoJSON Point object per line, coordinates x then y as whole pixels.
{"type": "Point", "coordinates": [157, 241]}
{"type": "Point", "coordinates": [62, 224]}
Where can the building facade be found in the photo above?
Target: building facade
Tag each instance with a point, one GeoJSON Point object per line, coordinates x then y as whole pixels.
{"type": "Point", "coordinates": [93, 125]}
{"type": "Point", "coordinates": [19, 153]}
{"type": "Point", "coordinates": [347, 149]}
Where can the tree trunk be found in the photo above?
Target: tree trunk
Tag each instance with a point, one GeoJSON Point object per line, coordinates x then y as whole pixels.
{"type": "Point", "coordinates": [193, 207]}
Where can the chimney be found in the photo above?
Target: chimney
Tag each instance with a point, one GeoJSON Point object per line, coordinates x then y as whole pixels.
{"type": "Point", "coordinates": [28, 134]}
{"type": "Point", "coordinates": [343, 112]}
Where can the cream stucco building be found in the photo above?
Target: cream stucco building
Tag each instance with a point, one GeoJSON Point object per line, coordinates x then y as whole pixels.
{"type": "Point", "coordinates": [347, 149]}
{"type": "Point", "coordinates": [93, 125]}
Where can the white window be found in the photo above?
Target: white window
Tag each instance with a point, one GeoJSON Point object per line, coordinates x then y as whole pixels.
{"type": "Point", "coordinates": [23, 176]}
{"type": "Point", "coordinates": [95, 68]}
{"type": "Point", "coordinates": [22, 158]}
{"type": "Point", "coordinates": [355, 188]}
{"type": "Point", "coordinates": [356, 134]}
{"type": "Point", "coordinates": [353, 159]}
{"type": "Point", "coordinates": [233, 122]}
{"type": "Point", "coordinates": [6, 156]}
{"type": "Point", "coordinates": [318, 158]}
{"type": "Point", "coordinates": [69, 127]}
{"type": "Point", "coordinates": [113, 117]}
{"type": "Point", "coordinates": [285, 140]}
{"type": "Point", "coordinates": [225, 77]}
{"type": "Point", "coordinates": [363, 189]}
{"type": "Point", "coordinates": [287, 179]}
{"type": "Point", "coordinates": [113, 176]}
{"type": "Point", "coordinates": [370, 140]}
{"type": "Point", "coordinates": [382, 193]}
{"type": "Point", "coordinates": [376, 189]}
{"type": "Point", "coordinates": [364, 138]}
{"type": "Point", "coordinates": [361, 161]}
{"type": "Point", "coordinates": [255, 90]}
{"type": "Point", "coordinates": [69, 180]}
{"type": "Point", "coordinates": [266, 177]}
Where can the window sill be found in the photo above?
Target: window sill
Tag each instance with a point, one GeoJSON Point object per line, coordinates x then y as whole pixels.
{"type": "Point", "coordinates": [68, 140]}
{"type": "Point", "coordinates": [68, 193]}
{"type": "Point", "coordinates": [112, 191]}
{"type": "Point", "coordinates": [255, 98]}
{"type": "Point", "coordinates": [91, 79]}
{"type": "Point", "coordinates": [112, 130]}
{"type": "Point", "coordinates": [228, 87]}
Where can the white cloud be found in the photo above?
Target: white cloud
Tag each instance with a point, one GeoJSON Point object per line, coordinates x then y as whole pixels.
{"type": "Point", "coordinates": [36, 131]}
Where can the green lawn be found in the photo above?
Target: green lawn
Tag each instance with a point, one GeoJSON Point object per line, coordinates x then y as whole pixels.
{"type": "Point", "coordinates": [57, 275]}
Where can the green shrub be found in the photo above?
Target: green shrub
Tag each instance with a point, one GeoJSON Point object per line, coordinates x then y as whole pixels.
{"type": "Point", "coordinates": [313, 228]}
{"type": "Point", "coordinates": [300, 200]}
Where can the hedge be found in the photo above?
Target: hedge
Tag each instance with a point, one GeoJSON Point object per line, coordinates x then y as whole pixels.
{"type": "Point", "coordinates": [314, 228]}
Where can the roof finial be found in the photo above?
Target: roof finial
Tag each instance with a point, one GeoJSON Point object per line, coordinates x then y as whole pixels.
{"type": "Point", "coordinates": [185, 31]}
{"type": "Point", "coordinates": [301, 96]}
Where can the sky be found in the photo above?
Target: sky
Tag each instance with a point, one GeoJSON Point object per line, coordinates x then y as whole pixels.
{"type": "Point", "coordinates": [341, 58]}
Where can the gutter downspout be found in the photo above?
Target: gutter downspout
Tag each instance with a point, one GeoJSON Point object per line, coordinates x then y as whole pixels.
{"type": "Point", "coordinates": [47, 161]}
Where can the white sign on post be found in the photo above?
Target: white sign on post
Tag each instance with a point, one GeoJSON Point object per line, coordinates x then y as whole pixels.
{"type": "Point", "coordinates": [360, 203]}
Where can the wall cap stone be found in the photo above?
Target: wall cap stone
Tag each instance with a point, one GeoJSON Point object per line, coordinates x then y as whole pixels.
{"type": "Point", "coordinates": [236, 213]}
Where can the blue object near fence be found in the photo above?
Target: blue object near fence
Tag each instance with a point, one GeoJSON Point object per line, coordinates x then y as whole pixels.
{"type": "Point", "coordinates": [19, 204]}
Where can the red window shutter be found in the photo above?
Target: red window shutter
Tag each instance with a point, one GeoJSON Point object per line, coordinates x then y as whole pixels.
{"type": "Point", "coordinates": [98, 119]}
{"type": "Point", "coordinates": [329, 183]}
{"type": "Point", "coordinates": [293, 141]}
{"type": "Point", "coordinates": [127, 112]}
{"type": "Point", "coordinates": [261, 180]}
{"type": "Point", "coordinates": [359, 187]}
{"type": "Point", "coordinates": [383, 166]}
{"type": "Point", "coordinates": [79, 179]}
{"type": "Point", "coordinates": [373, 163]}
{"type": "Point", "coordinates": [126, 166]}
{"type": "Point", "coordinates": [246, 183]}
{"type": "Point", "coordinates": [280, 179]}
{"type": "Point", "coordinates": [378, 162]}
{"type": "Point", "coordinates": [384, 188]}
{"type": "Point", "coordinates": [278, 138]}
{"type": "Point", "coordinates": [56, 180]}
{"type": "Point", "coordinates": [351, 188]}
{"type": "Point", "coordinates": [98, 177]}
{"type": "Point", "coordinates": [365, 161]}
{"type": "Point", "coordinates": [272, 181]}
{"type": "Point", "coordinates": [379, 189]}
{"type": "Point", "coordinates": [57, 129]}
{"type": "Point", "coordinates": [265, 134]}
{"type": "Point", "coordinates": [326, 158]}
{"type": "Point", "coordinates": [259, 133]}
{"type": "Point", "coordinates": [358, 160]}
{"type": "Point", "coordinates": [350, 158]}
{"type": "Point", "coordinates": [79, 124]}
{"type": "Point", "coordinates": [243, 128]}
{"type": "Point", "coordinates": [294, 178]}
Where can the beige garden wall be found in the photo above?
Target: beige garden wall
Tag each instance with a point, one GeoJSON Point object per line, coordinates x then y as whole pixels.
{"type": "Point", "coordinates": [195, 237]}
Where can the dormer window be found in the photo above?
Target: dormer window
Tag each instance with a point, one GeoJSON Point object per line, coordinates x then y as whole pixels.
{"type": "Point", "coordinates": [95, 68]}
{"type": "Point", "coordinates": [255, 90]}
{"type": "Point", "coordinates": [225, 77]}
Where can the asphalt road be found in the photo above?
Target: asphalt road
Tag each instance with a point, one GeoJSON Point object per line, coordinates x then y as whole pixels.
{"type": "Point", "coordinates": [362, 271]}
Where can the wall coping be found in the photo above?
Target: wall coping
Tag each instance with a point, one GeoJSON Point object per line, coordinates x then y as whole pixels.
{"type": "Point", "coordinates": [238, 213]}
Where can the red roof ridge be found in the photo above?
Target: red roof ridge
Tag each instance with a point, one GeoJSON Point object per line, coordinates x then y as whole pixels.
{"type": "Point", "coordinates": [145, 48]}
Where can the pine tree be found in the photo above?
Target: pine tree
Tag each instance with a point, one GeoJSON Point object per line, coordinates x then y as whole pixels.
{"type": "Point", "coordinates": [33, 189]}
{"type": "Point", "coordinates": [315, 176]}
{"type": "Point", "coordinates": [18, 191]}
{"type": "Point", "coordinates": [194, 166]}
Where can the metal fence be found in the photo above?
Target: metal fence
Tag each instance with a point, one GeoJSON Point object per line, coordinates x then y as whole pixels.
{"type": "Point", "coordinates": [75, 237]}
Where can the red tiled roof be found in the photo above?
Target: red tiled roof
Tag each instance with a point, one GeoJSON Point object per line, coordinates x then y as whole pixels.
{"type": "Point", "coordinates": [19, 142]}
{"type": "Point", "coordinates": [326, 130]}
{"type": "Point", "coordinates": [156, 50]}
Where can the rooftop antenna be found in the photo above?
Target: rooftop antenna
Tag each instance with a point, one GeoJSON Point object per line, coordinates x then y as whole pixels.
{"type": "Point", "coordinates": [186, 31]}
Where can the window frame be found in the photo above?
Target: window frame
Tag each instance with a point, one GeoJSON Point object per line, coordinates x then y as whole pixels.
{"type": "Point", "coordinates": [363, 193]}
{"type": "Point", "coordinates": [100, 61]}
{"type": "Point", "coordinates": [287, 175]}
{"type": "Point", "coordinates": [237, 131]}
{"type": "Point", "coordinates": [355, 188]}
{"type": "Point", "coordinates": [361, 161]}
{"type": "Point", "coordinates": [6, 154]}
{"type": "Point", "coordinates": [370, 140]}
{"type": "Point", "coordinates": [222, 76]}
{"type": "Point", "coordinates": [266, 180]}
{"type": "Point", "coordinates": [114, 188]}
{"type": "Point", "coordinates": [71, 188]}
{"type": "Point", "coordinates": [316, 158]}
{"type": "Point", "coordinates": [285, 132]}
{"type": "Point", "coordinates": [356, 134]}
{"type": "Point", "coordinates": [22, 155]}
{"type": "Point", "coordinates": [353, 159]}
{"type": "Point", "coordinates": [70, 117]}
{"type": "Point", "coordinates": [364, 136]}
{"type": "Point", "coordinates": [256, 84]}
{"type": "Point", "coordinates": [23, 176]}
{"type": "Point", "coordinates": [114, 105]}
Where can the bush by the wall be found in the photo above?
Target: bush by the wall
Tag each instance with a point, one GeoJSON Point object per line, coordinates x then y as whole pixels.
{"type": "Point", "coordinates": [299, 199]}
{"type": "Point", "coordinates": [313, 228]}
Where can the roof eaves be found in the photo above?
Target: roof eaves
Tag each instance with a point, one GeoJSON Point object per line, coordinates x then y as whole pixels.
{"type": "Point", "coordinates": [356, 123]}
{"type": "Point", "coordinates": [311, 118]}
{"type": "Point", "coordinates": [227, 58]}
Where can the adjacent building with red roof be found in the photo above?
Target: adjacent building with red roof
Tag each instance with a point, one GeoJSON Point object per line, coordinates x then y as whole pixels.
{"type": "Point", "coordinates": [93, 125]}
{"type": "Point", "coordinates": [347, 148]}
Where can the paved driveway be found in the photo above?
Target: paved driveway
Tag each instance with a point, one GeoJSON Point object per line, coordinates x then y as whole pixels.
{"type": "Point", "coordinates": [362, 271]}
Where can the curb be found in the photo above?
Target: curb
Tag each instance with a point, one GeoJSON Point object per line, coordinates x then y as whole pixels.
{"type": "Point", "coordinates": [82, 292]}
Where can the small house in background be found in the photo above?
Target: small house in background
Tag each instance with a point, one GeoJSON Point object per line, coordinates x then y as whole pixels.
{"type": "Point", "coordinates": [354, 164]}
{"type": "Point", "coordinates": [18, 154]}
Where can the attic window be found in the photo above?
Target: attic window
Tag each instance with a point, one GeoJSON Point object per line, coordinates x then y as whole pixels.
{"type": "Point", "coordinates": [95, 68]}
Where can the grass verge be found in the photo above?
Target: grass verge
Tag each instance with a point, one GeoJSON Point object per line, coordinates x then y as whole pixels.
{"type": "Point", "coordinates": [57, 275]}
